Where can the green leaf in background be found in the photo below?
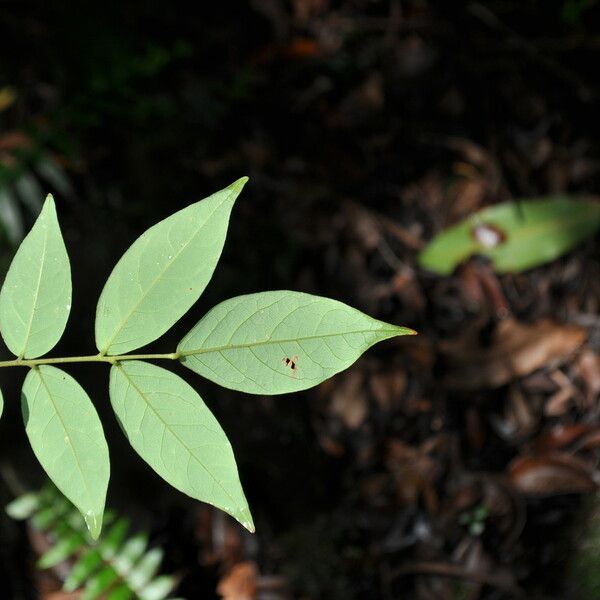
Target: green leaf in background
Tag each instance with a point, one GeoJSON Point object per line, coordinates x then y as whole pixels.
{"type": "Point", "coordinates": [83, 569]}
{"type": "Point", "coordinates": [67, 438]}
{"type": "Point", "coordinates": [146, 568]}
{"type": "Point", "coordinates": [171, 428]}
{"type": "Point", "coordinates": [163, 273]}
{"type": "Point", "coordinates": [36, 296]}
{"type": "Point", "coordinates": [278, 342]}
{"type": "Point", "coordinates": [515, 236]}
{"type": "Point", "coordinates": [65, 548]}
{"type": "Point", "coordinates": [122, 592]}
{"type": "Point", "coordinates": [131, 552]}
{"type": "Point", "coordinates": [99, 583]}
{"type": "Point", "coordinates": [23, 507]}
{"type": "Point", "coordinates": [158, 589]}
{"type": "Point", "coordinates": [11, 221]}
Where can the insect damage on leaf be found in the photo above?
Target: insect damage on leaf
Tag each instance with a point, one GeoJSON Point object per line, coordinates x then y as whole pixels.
{"type": "Point", "coordinates": [488, 235]}
{"type": "Point", "coordinates": [250, 343]}
{"type": "Point", "coordinates": [291, 363]}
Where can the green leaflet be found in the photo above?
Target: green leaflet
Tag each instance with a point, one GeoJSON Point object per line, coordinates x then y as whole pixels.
{"type": "Point", "coordinates": [278, 342]}
{"type": "Point", "coordinates": [99, 583]}
{"type": "Point", "coordinates": [67, 438]}
{"type": "Point", "coordinates": [146, 568]}
{"type": "Point", "coordinates": [82, 569]}
{"type": "Point", "coordinates": [23, 507]}
{"type": "Point", "coordinates": [515, 236]}
{"type": "Point", "coordinates": [163, 273]}
{"type": "Point", "coordinates": [158, 589]}
{"type": "Point", "coordinates": [172, 429]}
{"type": "Point", "coordinates": [36, 296]}
{"type": "Point", "coordinates": [65, 548]}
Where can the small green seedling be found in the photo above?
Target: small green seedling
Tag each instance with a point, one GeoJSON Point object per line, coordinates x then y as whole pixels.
{"type": "Point", "coordinates": [265, 343]}
{"type": "Point", "coordinates": [514, 236]}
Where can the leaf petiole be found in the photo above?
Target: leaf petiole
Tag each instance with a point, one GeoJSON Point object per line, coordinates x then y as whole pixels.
{"type": "Point", "coordinates": [33, 362]}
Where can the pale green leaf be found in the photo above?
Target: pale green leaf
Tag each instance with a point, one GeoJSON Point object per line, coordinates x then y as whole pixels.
{"type": "Point", "coordinates": [515, 235]}
{"type": "Point", "coordinates": [158, 589]}
{"type": "Point", "coordinates": [163, 273]}
{"type": "Point", "coordinates": [130, 553]}
{"type": "Point", "coordinates": [23, 507]}
{"type": "Point", "coordinates": [67, 438]}
{"type": "Point", "coordinates": [10, 218]}
{"type": "Point", "coordinates": [172, 429]}
{"type": "Point", "coordinates": [278, 342]}
{"type": "Point", "coordinates": [63, 549]}
{"type": "Point", "coordinates": [36, 296]}
{"type": "Point", "coordinates": [146, 569]}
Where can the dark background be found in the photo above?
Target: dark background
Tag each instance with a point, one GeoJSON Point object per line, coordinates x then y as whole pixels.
{"type": "Point", "coordinates": [365, 127]}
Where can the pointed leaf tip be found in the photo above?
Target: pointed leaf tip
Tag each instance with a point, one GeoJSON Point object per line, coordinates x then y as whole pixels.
{"type": "Point", "coordinates": [171, 428]}
{"type": "Point", "coordinates": [67, 438]}
{"type": "Point", "coordinates": [93, 523]}
{"type": "Point", "coordinates": [163, 273]}
{"type": "Point", "coordinates": [280, 341]}
{"type": "Point", "coordinates": [35, 299]}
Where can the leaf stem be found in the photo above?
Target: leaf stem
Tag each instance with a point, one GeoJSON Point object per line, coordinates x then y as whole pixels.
{"type": "Point", "coordinates": [34, 362]}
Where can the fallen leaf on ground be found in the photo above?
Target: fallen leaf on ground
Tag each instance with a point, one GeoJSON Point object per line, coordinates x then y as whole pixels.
{"type": "Point", "coordinates": [349, 402]}
{"type": "Point", "coordinates": [516, 350]}
{"type": "Point", "coordinates": [551, 474]}
{"type": "Point", "coordinates": [240, 583]}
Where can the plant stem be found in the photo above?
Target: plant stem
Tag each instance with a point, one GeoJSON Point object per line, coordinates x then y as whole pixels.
{"type": "Point", "coordinates": [33, 362]}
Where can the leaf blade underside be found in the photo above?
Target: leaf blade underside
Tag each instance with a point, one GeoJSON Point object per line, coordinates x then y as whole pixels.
{"type": "Point", "coordinates": [279, 342]}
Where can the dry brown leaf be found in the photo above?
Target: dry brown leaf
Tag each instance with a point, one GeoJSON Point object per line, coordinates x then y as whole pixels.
{"type": "Point", "coordinates": [349, 401]}
{"type": "Point", "coordinates": [516, 351]}
{"type": "Point", "coordinates": [588, 367]}
{"type": "Point", "coordinates": [415, 470]}
{"type": "Point", "coordinates": [388, 388]}
{"type": "Point", "coordinates": [551, 474]}
{"type": "Point", "coordinates": [572, 437]}
{"type": "Point", "coordinates": [240, 583]}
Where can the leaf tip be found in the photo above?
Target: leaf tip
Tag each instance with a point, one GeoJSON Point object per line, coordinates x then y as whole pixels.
{"type": "Point", "coordinates": [238, 185]}
{"type": "Point", "coordinates": [244, 517]}
{"type": "Point", "coordinates": [93, 523]}
{"type": "Point", "coordinates": [49, 204]}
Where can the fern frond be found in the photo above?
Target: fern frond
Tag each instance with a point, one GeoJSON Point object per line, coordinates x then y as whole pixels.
{"type": "Point", "coordinates": [118, 566]}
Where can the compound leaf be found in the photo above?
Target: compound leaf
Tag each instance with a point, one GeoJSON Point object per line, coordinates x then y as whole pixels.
{"type": "Point", "coordinates": [515, 236]}
{"type": "Point", "coordinates": [278, 342]}
{"type": "Point", "coordinates": [35, 300]}
{"type": "Point", "coordinates": [66, 436]}
{"type": "Point", "coordinates": [172, 429]}
{"type": "Point", "coordinates": [163, 273]}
